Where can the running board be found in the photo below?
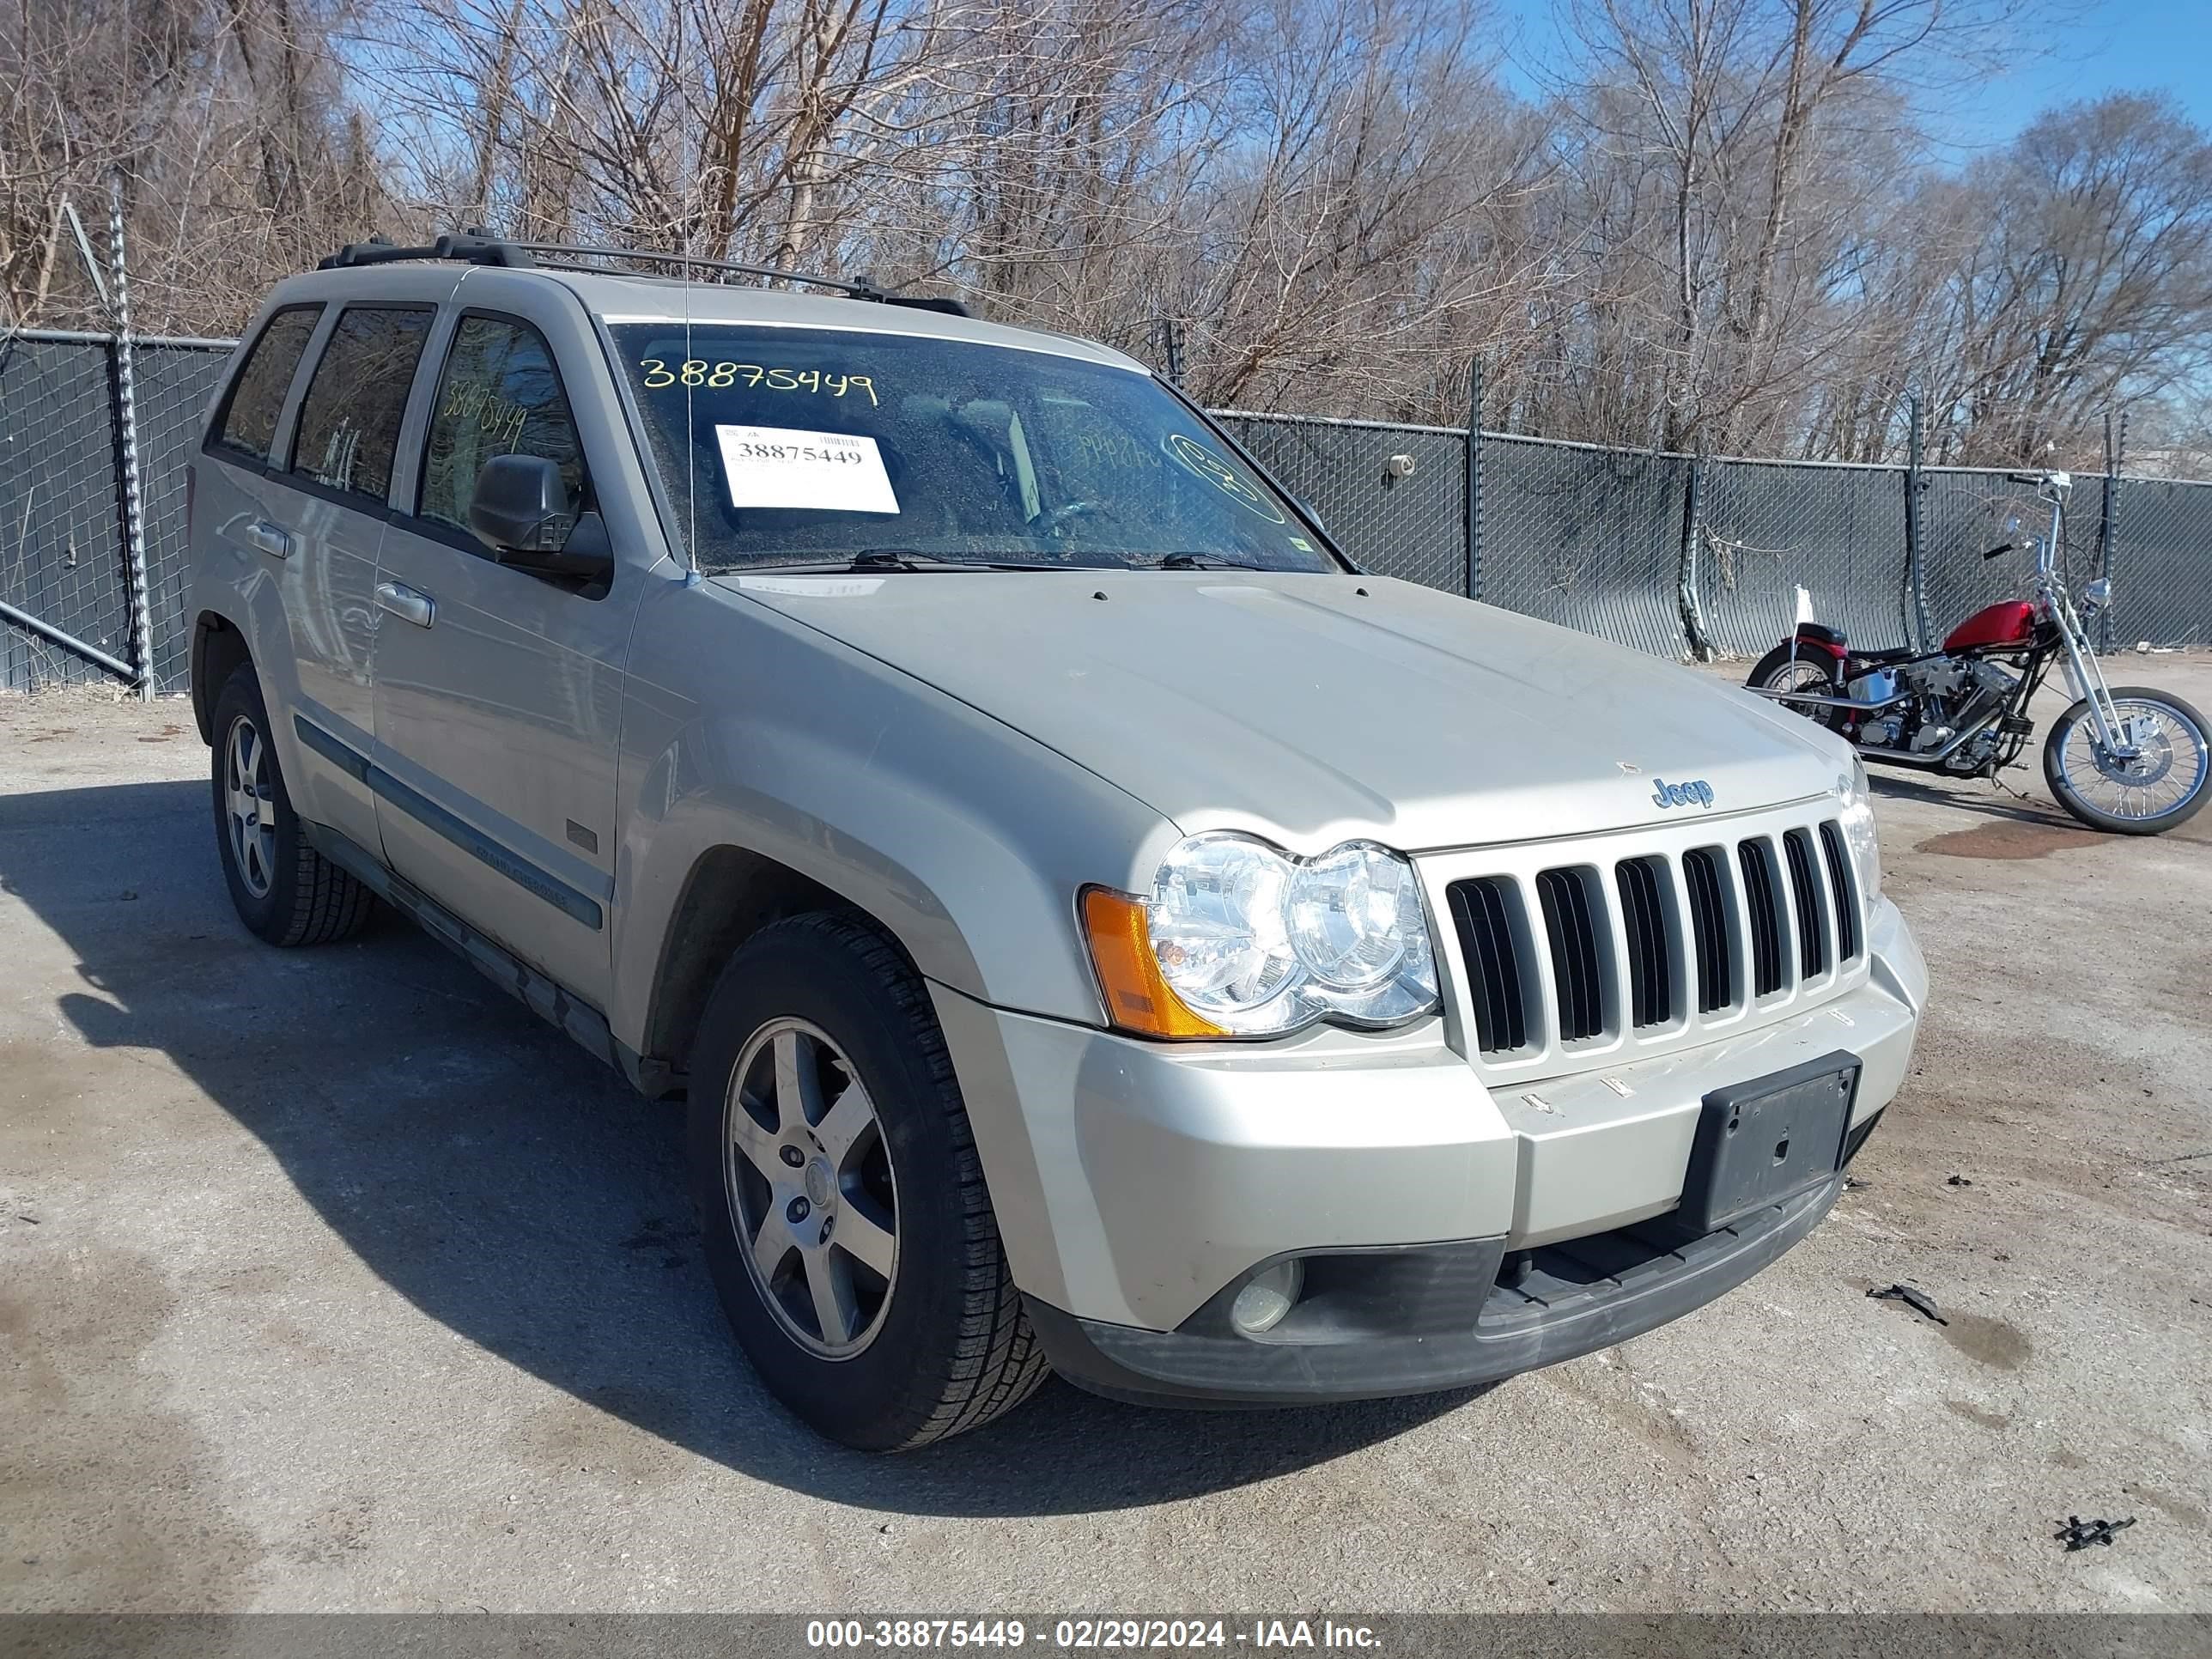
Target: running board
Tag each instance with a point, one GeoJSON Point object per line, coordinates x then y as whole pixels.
{"type": "Point", "coordinates": [585, 1025]}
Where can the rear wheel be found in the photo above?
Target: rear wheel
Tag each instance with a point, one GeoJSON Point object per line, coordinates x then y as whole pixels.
{"type": "Point", "coordinates": [840, 1199]}
{"type": "Point", "coordinates": [1784, 669]}
{"type": "Point", "coordinates": [282, 889]}
{"type": "Point", "coordinates": [2162, 784]}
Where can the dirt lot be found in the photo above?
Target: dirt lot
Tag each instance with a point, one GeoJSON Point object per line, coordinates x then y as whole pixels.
{"type": "Point", "coordinates": [331, 1281]}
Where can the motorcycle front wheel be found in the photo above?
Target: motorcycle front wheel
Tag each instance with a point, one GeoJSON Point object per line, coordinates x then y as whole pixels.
{"type": "Point", "coordinates": [2161, 785]}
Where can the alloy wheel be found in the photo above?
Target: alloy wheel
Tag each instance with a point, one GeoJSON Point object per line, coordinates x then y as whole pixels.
{"type": "Point", "coordinates": [250, 807]}
{"type": "Point", "coordinates": [810, 1189]}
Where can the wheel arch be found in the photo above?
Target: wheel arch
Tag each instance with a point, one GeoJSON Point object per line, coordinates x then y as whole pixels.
{"type": "Point", "coordinates": [730, 894]}
{"type": "Point", "coordinates": [219, 646]}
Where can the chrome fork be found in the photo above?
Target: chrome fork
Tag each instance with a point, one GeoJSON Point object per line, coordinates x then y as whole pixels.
{"type": "Point", "coordinates": [2084, 675]}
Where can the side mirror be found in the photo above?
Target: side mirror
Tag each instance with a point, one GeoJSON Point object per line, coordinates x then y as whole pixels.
{"type": "Point", "coordinates": [522, 511]}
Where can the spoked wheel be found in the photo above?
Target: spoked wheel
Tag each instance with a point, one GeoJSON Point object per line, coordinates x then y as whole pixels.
{"type": "Point", "coordinates": [813, 1187]}
{"type": "Point", "coordinates": [2162, 784]}
{"type": "Point", "coordinates": [1785, 670]}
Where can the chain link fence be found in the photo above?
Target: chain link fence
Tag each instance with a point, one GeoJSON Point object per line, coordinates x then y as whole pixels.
{"type": "Point", "coordinates": [1400, 490]}
{"type": "Point", "coordinates": [1676, 554]}
{"type": "Point", "coordinates": [65, 599]}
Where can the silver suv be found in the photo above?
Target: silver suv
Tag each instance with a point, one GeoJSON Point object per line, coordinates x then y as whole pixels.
{"type": "Point", "coordinates": [1094, 925]}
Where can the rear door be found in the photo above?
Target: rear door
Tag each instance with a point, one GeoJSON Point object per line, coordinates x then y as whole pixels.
{"type": "Point", "coordinates": [326, 507]}
{"type": "Point", "coordinates": [499, 692]}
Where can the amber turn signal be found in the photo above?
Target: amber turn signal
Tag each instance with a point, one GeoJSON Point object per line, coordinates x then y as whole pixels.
{"type": "Point", "coordinates": [1138, 997]}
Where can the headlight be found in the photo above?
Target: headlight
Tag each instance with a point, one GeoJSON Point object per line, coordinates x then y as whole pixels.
{"type": "Point", "coordinates": [1240, 939]}
{"type": "Point", "coordinates": [1857, 820]}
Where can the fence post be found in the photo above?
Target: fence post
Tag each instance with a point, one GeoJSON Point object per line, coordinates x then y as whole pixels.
{"type": "Point", "coordinates": [1473, 582]}
{"type": "Point", "coordinates": [2108, 519]}
{"type": "Point", "coordinates": [1917, 628]}
{"type": "Point", "coordinates": [1169, 337]}
{"type": "Point", "coordinates": [126, 449]}
{"type": "Point", "coordinates": [1685, 593]}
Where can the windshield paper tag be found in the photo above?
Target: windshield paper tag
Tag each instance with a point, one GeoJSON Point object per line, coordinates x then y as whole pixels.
{"type": "Point", "coordinates": [781, 466]}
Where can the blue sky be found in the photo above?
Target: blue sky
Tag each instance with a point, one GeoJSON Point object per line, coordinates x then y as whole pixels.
{"type": "Point", "coordinates": [2103, 45]}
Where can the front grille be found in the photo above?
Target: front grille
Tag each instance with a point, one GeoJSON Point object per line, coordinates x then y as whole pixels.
{"type": "Point", "coordinates": [1643, 923]}
{"type": "Point", "coordinates": [1570, 924]}
{"type": "Point", "coordinates": [1699, 932]}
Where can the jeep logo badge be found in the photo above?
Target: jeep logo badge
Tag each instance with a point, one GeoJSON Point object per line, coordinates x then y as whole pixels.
{"type": "Point", "coordinates": [1696, 792]}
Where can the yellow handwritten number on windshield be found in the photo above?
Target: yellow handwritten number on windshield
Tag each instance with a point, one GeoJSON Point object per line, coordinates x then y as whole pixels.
{"type": "Point", "coordinates": [715, 377]}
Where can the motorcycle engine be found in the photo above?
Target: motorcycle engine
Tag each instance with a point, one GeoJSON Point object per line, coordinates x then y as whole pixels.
{"type": "Point", "coordinates": [1949, 695]}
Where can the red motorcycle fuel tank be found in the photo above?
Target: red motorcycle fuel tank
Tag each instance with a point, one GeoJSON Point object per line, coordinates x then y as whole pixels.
{"type": "Point", "coordinates": [2009, 623]}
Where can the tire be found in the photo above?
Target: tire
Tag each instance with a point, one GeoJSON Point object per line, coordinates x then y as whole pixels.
{"type": "Point", "coordinates": [932, 1339]}
{"type": "Point", "coordinates": [1783, 663]}
{"type": "Point", "coordinates": [2182, 744]}
{"type": "Point", "coordinates": [284, 890]}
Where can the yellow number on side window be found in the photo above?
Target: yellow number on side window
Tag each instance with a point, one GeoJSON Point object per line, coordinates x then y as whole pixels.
{"type": "Point", "coordinates": [656, 373]}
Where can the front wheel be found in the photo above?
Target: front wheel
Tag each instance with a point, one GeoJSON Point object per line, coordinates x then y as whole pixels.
{"type": "Point", "coordinates": [2162, 784]}
{"type": "Point", "coordinates": [1785, 668]}
{"type": "Point", "coordinates": [840, 1197]}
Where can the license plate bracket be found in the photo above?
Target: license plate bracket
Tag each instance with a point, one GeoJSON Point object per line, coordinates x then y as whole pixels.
{"type": "Point", "coordinates": [1767, 1139]}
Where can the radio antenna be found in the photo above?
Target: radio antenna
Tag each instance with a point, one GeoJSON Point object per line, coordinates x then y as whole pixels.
{"type": "Point", "coordinates": [690, 175]}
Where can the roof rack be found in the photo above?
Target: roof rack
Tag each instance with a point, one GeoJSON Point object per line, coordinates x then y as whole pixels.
{"type": "Point", "coordinates": [477, 247]}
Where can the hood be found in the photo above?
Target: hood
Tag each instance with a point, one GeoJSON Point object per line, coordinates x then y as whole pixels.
{"type": "Point", "coordinates": [1297, 708]}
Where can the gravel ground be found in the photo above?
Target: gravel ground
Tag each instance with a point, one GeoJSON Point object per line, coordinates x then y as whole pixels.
{"type": "Point", "coordinates": [330, 1280]}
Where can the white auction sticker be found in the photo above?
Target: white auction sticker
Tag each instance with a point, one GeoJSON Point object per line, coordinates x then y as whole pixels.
{"type": "Point", "coordinates": [782, 466]}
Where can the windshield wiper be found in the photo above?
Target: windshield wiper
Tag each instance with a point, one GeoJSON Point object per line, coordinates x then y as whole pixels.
{"type": "Point", "coordinates": [903, 559]}
{"type": "Point", "coordinates": [1198, 562]}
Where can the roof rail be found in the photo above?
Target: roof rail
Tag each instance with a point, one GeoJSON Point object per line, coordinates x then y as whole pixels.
{"type": "Point", "coordinates": [480, 247]}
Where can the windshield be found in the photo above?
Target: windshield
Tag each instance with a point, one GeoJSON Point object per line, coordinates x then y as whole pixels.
{"type": "Point", "coordinates": [791, 446]}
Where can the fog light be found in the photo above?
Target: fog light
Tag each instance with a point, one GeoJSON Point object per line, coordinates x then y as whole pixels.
{"type": "Point", "coordinates": [1260, 1306]}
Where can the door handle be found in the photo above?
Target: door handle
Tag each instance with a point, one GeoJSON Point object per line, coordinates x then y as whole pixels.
{"type": "Point", "coordinates": [270, 538]}
{"type": "Point", "coordinates": [404, 602]}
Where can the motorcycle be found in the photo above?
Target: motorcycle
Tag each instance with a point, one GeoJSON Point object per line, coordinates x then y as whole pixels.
{"type": "Point", "coordinates": [2129, 758]}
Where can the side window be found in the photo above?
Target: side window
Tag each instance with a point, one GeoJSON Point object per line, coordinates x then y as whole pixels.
{"type": "Point", "coordinates": [257, 395]}
{"type": "Point", "coordinates": [499, 395]}
{"type": "Point", "coordinates": [350, 421]}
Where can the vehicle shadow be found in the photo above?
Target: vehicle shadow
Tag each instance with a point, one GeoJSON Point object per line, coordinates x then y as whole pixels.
{"type": "Point", "coordinates": [1966, 795]}
{"type": "Point", "coordinates": [526, 1200]}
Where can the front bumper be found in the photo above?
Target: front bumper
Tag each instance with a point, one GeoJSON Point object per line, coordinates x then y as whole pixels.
{"type": "Point", "coordinates": [1138, 1184]}
{"type": "Point", "coordinates": [1569, 1300]}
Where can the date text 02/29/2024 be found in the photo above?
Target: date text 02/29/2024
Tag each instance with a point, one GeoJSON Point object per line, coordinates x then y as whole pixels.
{"type": "Point", "coordinates": [1255, 1635]}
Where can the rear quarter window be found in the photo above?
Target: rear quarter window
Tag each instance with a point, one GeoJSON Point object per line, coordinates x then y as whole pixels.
{"type": "Point", "coordinates": [348, 428]}
{"type": "Point", "coordinates": [247, 425]}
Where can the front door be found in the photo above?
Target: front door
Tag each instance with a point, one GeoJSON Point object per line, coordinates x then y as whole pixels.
{"type": "Point", "coordinates": [499, 692]}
